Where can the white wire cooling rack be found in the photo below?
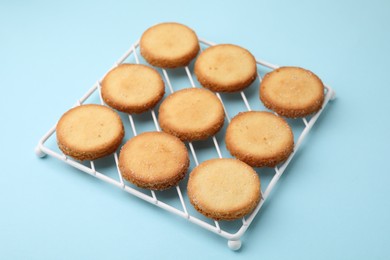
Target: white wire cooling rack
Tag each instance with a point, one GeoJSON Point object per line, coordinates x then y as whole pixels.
{"type": "Point", "coordinates": [234, 238]}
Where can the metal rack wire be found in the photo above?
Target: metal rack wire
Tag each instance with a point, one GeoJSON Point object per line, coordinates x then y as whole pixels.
{"type": "Point", "coordinates": [234, 241]}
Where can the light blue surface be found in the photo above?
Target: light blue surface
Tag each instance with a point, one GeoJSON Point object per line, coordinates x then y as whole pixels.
{"type": "Point", "coordinates": [332, 203]}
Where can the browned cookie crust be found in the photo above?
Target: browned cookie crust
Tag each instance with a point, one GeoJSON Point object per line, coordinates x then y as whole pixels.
{"type": "Point", "coordinates": [292, 92]}
{"type": "Point", "coordinates": [132, 88]}
{"type": "Point", "coordinates": [154, 160]}
{"type": "Point", "coordinates": [225, 68]}
{"type": "Point", "coordinates": [89, 132]}
{"type": "Point", "coordinates": [224, 189]}
{"type": "Point", "coordinates": [169, 45]}
{"type": "Point", "coordinates": [259, 138]}
{"type": "Point", "coordinates": [191, 114]}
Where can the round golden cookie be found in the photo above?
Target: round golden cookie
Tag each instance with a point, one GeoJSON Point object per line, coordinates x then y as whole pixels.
{"type": "Point", "coordinates": [169, 45]}
{"type": "Point", "coordinates": [89, 132]}
{"type": "Point", "coordinates": [225, 68]}
{"type": "Point", "coordinates": [292, 92]}
{"type": "Point", "coordinates": [154, 160]}
{"type": "Point", "coordinates": [259, 138]}
{"type": "Point", "coordinates": [191, 114]}
{"type": "Point", "coordinates": [224, 189]}
{"type": "Point", "coordinates": [132, 88]}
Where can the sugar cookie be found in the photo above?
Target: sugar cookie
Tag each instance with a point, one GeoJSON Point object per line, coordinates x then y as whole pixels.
{"type": "Point", "coordinates": [89, 132]}
{"type": "Point", "coordinates": [132, 88]}
{"type": "Point", "coordinates": [225, 68]}
{"type": "Point", "coordinates": [154, 160]}
{"type": "Point", "coordinates": [191, 114]}
{"type": "Point", "coordinates": [224, 189]}
{"type": "Point", "coordinates": [292, 92]}
{"type": "Point", "coordinates": [169, 45]}
{"type": "Point", "coordinates": [259, 138]}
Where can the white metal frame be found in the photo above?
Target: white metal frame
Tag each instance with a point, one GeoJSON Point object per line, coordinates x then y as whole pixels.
{"type": "Point", "coordinates": [234, 241]}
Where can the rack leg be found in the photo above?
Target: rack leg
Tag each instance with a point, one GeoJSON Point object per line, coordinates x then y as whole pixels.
{"type": "Point", "coordinates": [333, 97]}
{"type": "Point", "coordinates": [39, 152]}
{"type": "Point", "coordinates": [234, 244]}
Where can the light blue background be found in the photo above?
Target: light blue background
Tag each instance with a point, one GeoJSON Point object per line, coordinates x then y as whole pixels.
{"type": "Point", "coordinates": [332, 203]}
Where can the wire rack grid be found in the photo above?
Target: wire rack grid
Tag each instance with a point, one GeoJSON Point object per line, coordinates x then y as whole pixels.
{"type": "Point", "coordinates": [234, 238]}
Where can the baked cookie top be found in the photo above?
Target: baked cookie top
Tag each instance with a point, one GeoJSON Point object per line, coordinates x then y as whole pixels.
{"type": "Point", "coordinates": [224, 189]}
{"type": "Point", "coordinates": [225, 68]}
{"type": "Point", "coordinates": [154, 160]}
{"type": "Point", "coordinates": [169, 45]}
{"type": "Point", "coordinates": [89, 132]}
{"type": "Point", "coordinates": [191, 114]}
{"type": "Point", "coordinates": [292, 92]}
{"type": "Point", "coordinates": [259, 138]}
{"type": "Point", "coordinates": [132, 88]}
